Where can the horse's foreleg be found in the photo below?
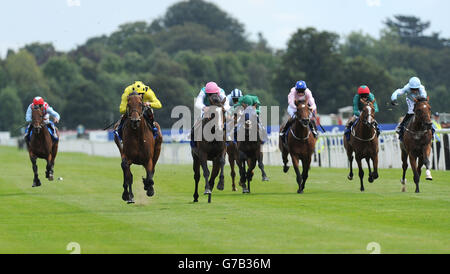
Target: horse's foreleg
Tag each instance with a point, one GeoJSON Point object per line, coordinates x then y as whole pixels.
{"type": "Point", "coordinates": [413, 162]}
{"type": "Point", "coordinates": [127, 180]}
{"type": "Point", "coordinates": [196, 167]}
{"type": "Point", "coordinates": [361, 173]}
{"type": "Point", "coordinates": [251, 167]}
{"type": "Point", "coordinates": [261, 166]}
{"type": "Point", "coordinates": [233, 173]}
{"type": "Point", "coordinates": [375, 166]}
{"type": "Point", "coordinates": [204, 164]}
{"type": "Point", "coordinates": [148, 182]}
{"type": "Point", "coordinates": [426, 160]}
{"type": "Point", "coordinates": [217, 166]}
{"type": "Point", "coordinates": [284, 155]}
{"type": "Point", "coordinates": [220, 185]}
{"type": "Point", "coordinates": [36, 181]}
{"type": "Point", "coordinates": [306, 164]}
{"type": "Point", "coordinates": [370, 170]}
{"type": "Point", "coordinates": [49, 168]}
{"type": "Point", "coordinates": [295, 163]}
{"type": "Point", "coordinates": [350, 160]}
{"type": "Point", "coordinates": [404, 167]}
{"type": "Point", "coordinates": [243, 174]}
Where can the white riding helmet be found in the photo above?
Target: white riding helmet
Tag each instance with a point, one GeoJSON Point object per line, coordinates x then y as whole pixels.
{"type": "Point", "coordinates": [414, 82]}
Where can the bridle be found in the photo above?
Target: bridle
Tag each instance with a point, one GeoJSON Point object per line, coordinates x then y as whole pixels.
{"type": "Point", "coordinates": [368, 122]}
{"type": "Point", "coordinates": [428, 126]}
{"type": "Point", "coordinates": [41, 116]}
{"type": "Point", "coordinates": [303, 122]}
{"type": "Point", "coordinates": [131, 111]}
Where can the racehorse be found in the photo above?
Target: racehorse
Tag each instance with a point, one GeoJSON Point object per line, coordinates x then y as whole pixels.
{"type": "Point", "coordinates": [209, 150]}
{"type": "Point", "coordinates": [41, 145]}
{"type": "Point", "coordinates": [139, 147]}
{"type": "Point", "coordinates": [300, 144]}
{"type": "Point", "coordinates": [233, 158]}
{"type": "Point", "coordinates": [364, 143]}
{"type": "Point", "coordinates": [249, 151]}
{"type": "Point", "coordinates": [416, 143]}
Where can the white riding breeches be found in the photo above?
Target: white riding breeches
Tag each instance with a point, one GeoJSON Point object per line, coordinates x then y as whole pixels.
{"type": "Point", "coordinates": [410, 104]}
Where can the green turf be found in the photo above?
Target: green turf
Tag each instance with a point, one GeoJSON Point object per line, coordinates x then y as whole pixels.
{"type": "Point", "coordinates": [332, 216]}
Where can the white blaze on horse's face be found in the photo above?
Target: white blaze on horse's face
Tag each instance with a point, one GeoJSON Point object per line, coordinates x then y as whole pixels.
{"type": "Point", "coordinates": [369, 110]}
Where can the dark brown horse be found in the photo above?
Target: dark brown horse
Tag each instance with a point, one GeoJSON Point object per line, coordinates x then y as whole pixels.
{"type": "Point", "coordinates": [140, 147]}
{"type": "Point", "coordinates": [233, 158]}
{"type": "Point", "coordinates": [364, 143]}
{"type": "Point", "coordinates": [300, 144]}
{"type": "Point", "coordinates": [212, 146]}
{"type": "Point", "coordinates": [41, 145]}
{"type": "Point", "coordinates": [416, 143]}
{"type": "Point", "coordinates": [249, 148]}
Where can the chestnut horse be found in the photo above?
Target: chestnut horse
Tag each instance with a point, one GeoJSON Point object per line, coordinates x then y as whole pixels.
{"type": "Point", "coordinates": [140, 147]}
{"type": "Point", "coordinates": [41, 145]}
{"type": "Point", "coordinates": [416, 143]}
{"type": "Point", "coordinates": [300, 144]}
{"type": "Point", "coordinates": [364, 143]}
{"type": "Point", "coordinates": [209, 150]}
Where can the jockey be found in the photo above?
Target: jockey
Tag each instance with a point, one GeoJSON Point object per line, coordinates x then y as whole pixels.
{"type": "Point", "coordinates": [202, 101]}
{"type": "Point", "coordinates": [48, 110]}
{"type": "Point", "coordinates": [414, 89]}
{"type": "Point", "coordinates": [251, 101]}
{"type": "Point", "coordinates": [300, 92]}
{"type": "Point", "coordinates": [148, 98]}
{"type": "Point", "coordinates": [363, 93]}
{"type": "Point", "coordinates": [234, 96]}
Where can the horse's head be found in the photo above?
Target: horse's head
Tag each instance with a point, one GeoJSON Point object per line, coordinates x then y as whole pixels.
{"type": "Point", "coordinates": [303, 112]}
{"type": "Point", "coordinates": [368, 112]}
{"type": "Point", "coordinates": [37, 117]}
{"type": "Point", "coordinates": [135, 109]}
{"type": "Point", "coordinates": [216, 105]}
{"type": "Point", "coordinates": [422, 112]}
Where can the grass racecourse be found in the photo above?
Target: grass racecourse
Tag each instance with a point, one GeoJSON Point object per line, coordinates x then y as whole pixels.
{"type": "Point", "coordinates": [332, 216]}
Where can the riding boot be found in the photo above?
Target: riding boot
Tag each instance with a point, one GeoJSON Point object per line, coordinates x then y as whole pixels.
{"type": "Point", "coordinates": [118, 131]}
{"type": "Point", "coordinates": [53, 127]}
{"type": "Point", "coordinates": [26, 137]}
{"type": "Point", "coordinates": [348, 129]}
{"type": "Point", "coordinates": [287, 126]}
{"type": "Point", "coordinates": [378, 129]}
{"type": "Point", "coordinates": [313, 127]}
{"type": "Point", "coordinates": [401, 128]}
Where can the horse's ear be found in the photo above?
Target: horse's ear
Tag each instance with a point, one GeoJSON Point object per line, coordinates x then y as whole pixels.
{"type": "Point", "coordinates": [223, 101]}
{"type": "Point", "coordinates": [296, 103]}
{"type": "Point", "coordinates": [428, 98]}
{"type": "Point", "coordinates": [415, 100]}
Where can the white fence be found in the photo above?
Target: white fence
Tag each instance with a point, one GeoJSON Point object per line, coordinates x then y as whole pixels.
{"type": "Point", "coordinates": [330, 151]}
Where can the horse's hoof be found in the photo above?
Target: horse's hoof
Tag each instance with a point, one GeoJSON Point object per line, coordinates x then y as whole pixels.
{"type": "Point", "coordinates": [265, 179]}
{"type": "Point", "coordinates": [125, 197]}
{"type": "Point", "coordinates": [350, 177]}
{"type": "Point", "coordinates": [207, 191]}
{"type": "Point", "coordinates": [285, 169]}
{"type": "Point", "coordinates": [195, 201]}
{"type": "Point", "coordinates": [371, 180]}
{"type": "Point", "coordinates": [131, 201]}
{"type": "Point", "coordinates": [36, 184]}
{"type": "Point", "coordinates": [300, 191]}
{"type": "Point", "coordinates": [220, 186]}
{"type": "Point", "coordinates": [244, 191]}
{"type": "Point", "coordinates": [50, 177]}
{"type": "Point", "coordinates": [150, 191]}
{"type": "Point", "coordinates": [417, 191]}
{"type": "Point", "coordinates": [428, 176]}
{"type": "Point", "coordinates": [233, 189]}
{"type": "Point", "coordinates": [362, 189]}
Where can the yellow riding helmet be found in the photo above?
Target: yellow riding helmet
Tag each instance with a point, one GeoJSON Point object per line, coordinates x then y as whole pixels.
{"type": "Point", "coordinates": [139, 87]}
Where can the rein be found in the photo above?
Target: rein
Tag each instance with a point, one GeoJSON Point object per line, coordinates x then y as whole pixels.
{"type": "Point", "coordinates": [300, 138]}
{"type": "Point", "coordinates": [416, 134]}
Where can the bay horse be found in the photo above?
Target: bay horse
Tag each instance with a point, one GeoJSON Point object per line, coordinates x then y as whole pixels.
{"type": "Point", "coordinates": [364, 143]}
{"type": "Point", "coordinates": [209, 150]}
{"type": "Point", "coordinates": [416, 143]}
{"type": "Point", "coordinates": [139, 146]}
{"type": "Point", "coordinates": [249, 151]}
{"type": "Point", "coordinates": [300, 144]}
{"type": "Point", "coordinates": [41, 145]}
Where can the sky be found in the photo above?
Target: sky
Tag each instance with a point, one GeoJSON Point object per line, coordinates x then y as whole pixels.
{"type": "Point", "coordinates": [69, 23]}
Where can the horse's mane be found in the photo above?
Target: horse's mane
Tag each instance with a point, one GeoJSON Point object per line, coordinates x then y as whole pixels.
{"type": "Point", "coordinates": [133, 93]}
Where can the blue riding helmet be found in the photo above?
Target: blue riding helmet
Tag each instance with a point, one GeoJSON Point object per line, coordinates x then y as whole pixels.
{"type": "Point", "coordinates": [301, 85]}
{"type": "Point", "coordinates": [236, 93]}
{"type": "Point", "coordinates": [414, 82]}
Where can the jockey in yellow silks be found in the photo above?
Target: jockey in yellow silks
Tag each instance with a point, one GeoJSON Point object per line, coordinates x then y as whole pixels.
{"type": "Point", "coordinates": [149, 99]}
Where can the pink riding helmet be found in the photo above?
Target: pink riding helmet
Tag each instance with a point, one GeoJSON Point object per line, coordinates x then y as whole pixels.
{"type": "Point", "coordinates": [212, 87]}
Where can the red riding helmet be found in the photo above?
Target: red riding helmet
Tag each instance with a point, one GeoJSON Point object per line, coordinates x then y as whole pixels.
{"type": "Point", "coordinates": [363, 90]}
{"type": "Point", "coordinates": [38, 101]}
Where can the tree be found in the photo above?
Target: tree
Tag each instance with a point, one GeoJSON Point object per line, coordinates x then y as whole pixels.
{"type": "Point", "coordinates": [199, 68]}
{"type": "Point", "coordinates": [41, 52]}
{"type": "Point", "coordinates": [26, 76]}
{"type": "Point", "coordinates": [11, 111]}
{"type": "Point", "coordinates": [230, 72]}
